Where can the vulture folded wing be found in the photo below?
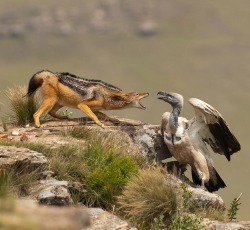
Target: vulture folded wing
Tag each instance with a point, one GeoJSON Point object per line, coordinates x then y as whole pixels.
{"type": "Point", "coordinates": [164, 124]}
{"type": "Point", "coordinates": [218, 134]}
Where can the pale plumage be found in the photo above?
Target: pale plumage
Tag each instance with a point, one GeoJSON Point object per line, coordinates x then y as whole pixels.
{"type": "Point", "coordinates": [187, 139]}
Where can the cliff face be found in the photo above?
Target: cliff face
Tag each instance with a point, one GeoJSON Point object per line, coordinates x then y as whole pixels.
{"type": "Point", "coordinates": [51, 192]}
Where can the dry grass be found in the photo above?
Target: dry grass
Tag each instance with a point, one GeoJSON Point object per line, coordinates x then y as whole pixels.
{"type": "Point", "coordinates": [147, 196]}
{"type": "Point", "coordinates": [16, 183]}
{"type": "Point", "coordinates": [22, 107]}
{"type": "Point", "coordinates": [107, 140]}
{"type": "Point", "coordinates": [212, 214]}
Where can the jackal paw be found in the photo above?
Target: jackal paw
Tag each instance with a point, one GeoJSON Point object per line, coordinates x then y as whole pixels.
{"type": "Point", "coordinates": [101, 125]}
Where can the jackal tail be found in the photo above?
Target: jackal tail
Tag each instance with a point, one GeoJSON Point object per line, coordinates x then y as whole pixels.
{"type": "Point", "coordinates": [36, 81]}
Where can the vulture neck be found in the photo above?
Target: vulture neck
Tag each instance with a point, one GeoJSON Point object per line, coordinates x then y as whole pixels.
{"type": "Point", "coordinates": [173, 119]}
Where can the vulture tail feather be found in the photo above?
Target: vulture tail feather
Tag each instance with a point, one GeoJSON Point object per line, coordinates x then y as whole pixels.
{"type": "Point", "coordinates": [210, 186]}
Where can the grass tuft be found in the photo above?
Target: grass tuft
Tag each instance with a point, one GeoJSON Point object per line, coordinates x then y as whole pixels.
{"type": "Point", "coordinates": [147, 196]}
{"type": "Point", "coordinates": [16, 183]}
{"type": "Point", "coordinates": [22, 107]}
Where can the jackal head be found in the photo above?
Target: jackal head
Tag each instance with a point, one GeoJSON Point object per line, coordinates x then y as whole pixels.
{"type": "Point", "coordinates": [133, 99]}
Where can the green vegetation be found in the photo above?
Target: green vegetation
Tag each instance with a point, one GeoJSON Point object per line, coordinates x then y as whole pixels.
{"type": "Point", "coordinates": [190, 213]}
{"type": "Point", "coordinates": [189, 204]}
{"type": "Point", "coordinates": [186, 221]}
{"type": "Point", "coordinates": [234, 208]}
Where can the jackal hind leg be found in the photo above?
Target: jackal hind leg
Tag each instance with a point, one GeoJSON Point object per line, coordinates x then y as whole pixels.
{"type": "Point", "coordinates": [46, 105]}
{"type": "Point", "coordinates": [53, 111]}
{"type": "Point", "coordinates": [86, 109]}
{"type": "Point", "coordinates": [104, 117]}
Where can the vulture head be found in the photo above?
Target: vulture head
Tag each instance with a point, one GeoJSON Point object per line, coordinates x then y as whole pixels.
{"type": "Point", "coordinates": [174, 99]}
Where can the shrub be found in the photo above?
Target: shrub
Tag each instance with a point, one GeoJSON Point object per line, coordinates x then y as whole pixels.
{"type": "Point", "coordinates": [107, 182]}
{"type": "Point", "coordinates": [148, 196]}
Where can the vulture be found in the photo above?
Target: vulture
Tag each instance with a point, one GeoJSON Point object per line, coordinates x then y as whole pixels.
{"type": "Point", "coordinates": [187, 140]}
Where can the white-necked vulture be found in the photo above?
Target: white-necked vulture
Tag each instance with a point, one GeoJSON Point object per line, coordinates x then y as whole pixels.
{"type": "Point", "coordinates": [187, 139]}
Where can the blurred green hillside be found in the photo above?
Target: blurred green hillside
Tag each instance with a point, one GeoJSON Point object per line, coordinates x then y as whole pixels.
{"type": "Point", "coordinates": [197, 48]}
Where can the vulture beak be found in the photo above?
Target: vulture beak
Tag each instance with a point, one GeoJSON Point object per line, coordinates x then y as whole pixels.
{"type": "Point", "coordinates": [162, 95]}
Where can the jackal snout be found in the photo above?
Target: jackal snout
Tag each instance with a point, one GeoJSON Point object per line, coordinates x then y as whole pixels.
{"type": "Point", "coordinates": [135, 100]}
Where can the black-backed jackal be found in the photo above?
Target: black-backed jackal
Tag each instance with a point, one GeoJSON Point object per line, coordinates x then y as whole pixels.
{"type": "Point", "coordinates": [90, 96]}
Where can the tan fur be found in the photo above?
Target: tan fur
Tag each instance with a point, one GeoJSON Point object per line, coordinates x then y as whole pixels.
{"type": "Point", "coordinates": [56, 95]}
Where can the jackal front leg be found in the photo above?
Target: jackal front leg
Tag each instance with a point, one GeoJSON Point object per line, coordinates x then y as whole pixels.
{"type": "Point", "coordinates": [89, 113]}
{"type": "Point", "coordinates": [46, 105]}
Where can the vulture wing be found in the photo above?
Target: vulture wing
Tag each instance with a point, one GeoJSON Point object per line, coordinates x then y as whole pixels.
{"type": "Point", "coordinates": [164, 124]}
{"type": "Point", "coordinates": [213, 129]}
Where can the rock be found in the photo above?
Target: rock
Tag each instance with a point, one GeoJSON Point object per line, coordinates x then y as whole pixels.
{"type": "Point", "coordinates": [47, 175]}
{"type": "Point", "coordinates": [30, 133]}
{"type": "Point", "coordinates": [52, 192]}
{"type": "Point", "coordinates": [4, 135]}
{"type": "Point", "coordinates": [46, 131]}
{"type": "Point", "coordinates": [202, 197]}
{"type": "Point", "coordinates": [27, 214]}
{"type": "Point", "coordinates": [150, 141]}
{"type": "Point", "coordinates": [22, 158]}
{"type": "Point", "coordinates": [24, 137]}
{"type": "Point", "coordinates": [15, 133]}
{"type": "Point", "coordinates": [216, 225]}
{"type": "Point", "coordinates": [146, 137]}
{"type": "Point", "coordinates": [207, 199]}
{"type": "Point", "coordinates": [102, 220]}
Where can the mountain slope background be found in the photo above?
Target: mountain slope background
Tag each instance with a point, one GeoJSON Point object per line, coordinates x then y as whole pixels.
{"type": "Point", "coordinates": [197, 48]}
